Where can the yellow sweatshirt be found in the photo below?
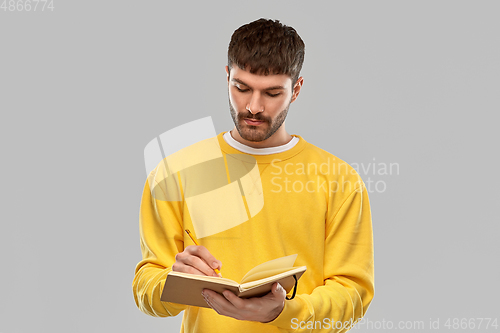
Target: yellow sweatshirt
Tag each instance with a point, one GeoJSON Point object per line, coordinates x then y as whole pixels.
{"type": "Point", "coordinates": [303, 200]}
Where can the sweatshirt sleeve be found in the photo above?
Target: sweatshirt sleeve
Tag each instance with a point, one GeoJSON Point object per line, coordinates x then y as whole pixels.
{"type": "Point", "coordinates": [161, 239]}
{"type": "Point", "coordinates": [348, 274]}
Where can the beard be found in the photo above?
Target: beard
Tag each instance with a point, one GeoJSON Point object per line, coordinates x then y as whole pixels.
{"type": "Point", "coordinates": [260, 132]}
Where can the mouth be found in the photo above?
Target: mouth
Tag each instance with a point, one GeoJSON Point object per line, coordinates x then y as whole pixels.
{"type": "Point", "coordinates": [253, 122]}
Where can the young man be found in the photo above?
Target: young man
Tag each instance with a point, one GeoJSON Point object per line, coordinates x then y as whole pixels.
{"type": "Point", "coordinates": [314, 205]}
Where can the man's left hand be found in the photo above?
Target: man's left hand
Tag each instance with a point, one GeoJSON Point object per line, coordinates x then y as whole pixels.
{"type": "Point", "coordinates": [263, 309]}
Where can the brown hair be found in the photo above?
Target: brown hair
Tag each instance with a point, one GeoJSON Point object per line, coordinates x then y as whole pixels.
{"type": "Point", "coordinates": [267, 47]}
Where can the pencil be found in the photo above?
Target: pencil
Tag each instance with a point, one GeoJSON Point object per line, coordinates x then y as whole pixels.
{"type": "Point", "coordinates": [196, 242]}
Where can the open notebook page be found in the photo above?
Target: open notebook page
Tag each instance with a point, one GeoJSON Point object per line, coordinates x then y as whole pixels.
{"type": "Point", "coordinates": [270, 268]}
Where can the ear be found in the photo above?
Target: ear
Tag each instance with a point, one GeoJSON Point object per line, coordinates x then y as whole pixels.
{"type": "Point", "coordinates": [296, 88]}
{"type": "Point", "coordinates": [227, 72]}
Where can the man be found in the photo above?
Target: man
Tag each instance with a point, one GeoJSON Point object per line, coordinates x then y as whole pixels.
{"type": "Point", "coordinates": [315, 205]}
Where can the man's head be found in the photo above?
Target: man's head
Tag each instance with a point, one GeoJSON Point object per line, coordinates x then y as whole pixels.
{"type": "Point", "coordinates": [264, 62]}
{"type": "Point", "coordinates": [267, 47]}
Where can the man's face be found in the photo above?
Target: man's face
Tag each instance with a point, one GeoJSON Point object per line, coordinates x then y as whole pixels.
{"type": "Point", "coordinates": [268, 98]}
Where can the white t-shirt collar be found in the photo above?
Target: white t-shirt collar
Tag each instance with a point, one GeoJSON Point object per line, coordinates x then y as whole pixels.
{"type": "Point", "coordinates": [259, 151]}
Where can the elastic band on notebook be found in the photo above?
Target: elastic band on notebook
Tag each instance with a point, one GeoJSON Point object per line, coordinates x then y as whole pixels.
{"type": "Point", "coordinates": [294, 289]}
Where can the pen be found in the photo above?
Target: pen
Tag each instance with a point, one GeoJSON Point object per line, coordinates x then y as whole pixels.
{"type": "Point", "coordinates": [194, 241]}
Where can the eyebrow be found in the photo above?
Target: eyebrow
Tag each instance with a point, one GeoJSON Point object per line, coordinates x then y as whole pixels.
{"type": "Point", "coordinates": [269, 88]}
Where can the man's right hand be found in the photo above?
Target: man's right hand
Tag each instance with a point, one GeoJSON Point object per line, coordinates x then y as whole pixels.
{"type": "Point", "coordinates": [196, 260]}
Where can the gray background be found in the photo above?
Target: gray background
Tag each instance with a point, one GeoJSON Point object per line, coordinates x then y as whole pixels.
{"type": "Point", "coordinates": [84, 88]}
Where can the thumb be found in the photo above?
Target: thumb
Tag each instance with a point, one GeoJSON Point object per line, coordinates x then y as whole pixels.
{"type": "Point", "coordinates": [278, 290]}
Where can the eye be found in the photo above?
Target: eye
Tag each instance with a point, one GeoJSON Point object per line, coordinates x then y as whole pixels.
{"type": "Point", "coordinates": [273, 95]}
{"type": "Point", "coordinates": [241, 90]}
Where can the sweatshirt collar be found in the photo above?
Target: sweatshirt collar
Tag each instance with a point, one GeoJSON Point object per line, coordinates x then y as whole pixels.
{"type": "Point", "coordinates": [268, 158]}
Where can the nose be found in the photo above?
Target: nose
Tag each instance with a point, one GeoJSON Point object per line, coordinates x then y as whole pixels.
{"type": "Point", "coordinates": [255, 105]}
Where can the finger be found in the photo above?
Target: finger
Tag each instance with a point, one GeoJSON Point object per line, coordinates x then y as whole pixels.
{"type": "Point", "coordinates": [188, 263]}
{"type": "Point", "coordinates": [207, 300]}
{"type": "Point", "coordinates": [198, 264]}
{"type": "Point", "coordinates": [233, 299]}
{"type": "Point", "coordinates": [278, 291]}
{"type": "Point", "coordinates": [179, 267]}
{"type": "Point", "coordinates": [217, 302]}
{"type": "Point", "coordinates": [202, 252]}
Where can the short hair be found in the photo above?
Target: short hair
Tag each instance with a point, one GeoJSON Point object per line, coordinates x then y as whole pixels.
{"type": "Point", "coordinates": [267, 47]}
